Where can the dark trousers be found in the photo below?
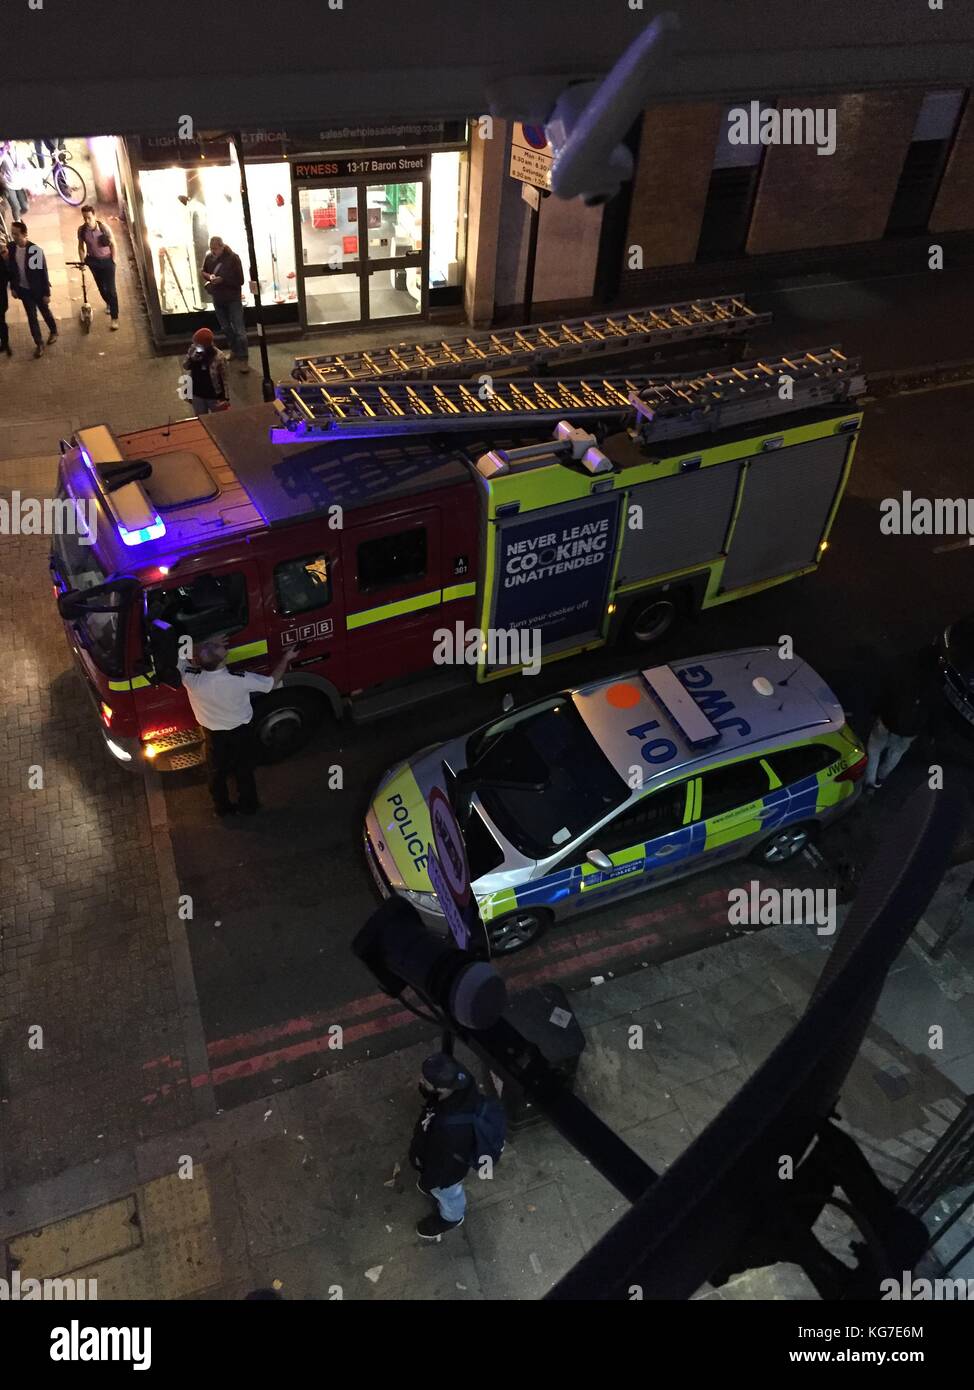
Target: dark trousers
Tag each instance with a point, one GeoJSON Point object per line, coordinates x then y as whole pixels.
{"type": "Point", "coordinates": [4, 330]}
{"type": "Point", "coordinates": [103, 274]}
{"type": "Point", "coordinates": [232, 752]}
{"type": "Point", "coordinates": [32, 306]}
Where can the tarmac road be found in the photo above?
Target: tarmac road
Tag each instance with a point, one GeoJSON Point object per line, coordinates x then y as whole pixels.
{"type": "Point", "coordinates": [277, 899]}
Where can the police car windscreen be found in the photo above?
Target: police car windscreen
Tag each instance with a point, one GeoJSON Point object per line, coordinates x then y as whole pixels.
{"type": "Point", "coordinates": [554, 750]}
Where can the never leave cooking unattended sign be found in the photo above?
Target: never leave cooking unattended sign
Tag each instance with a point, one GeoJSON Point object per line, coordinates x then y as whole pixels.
{"type": "Point", "coordinates": [552, 572]}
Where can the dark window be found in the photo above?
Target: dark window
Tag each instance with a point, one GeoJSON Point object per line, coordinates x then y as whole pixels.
{"type": "Point", "coordinates": [200, 607]}
{"type": "Point", "coordinates": [792, 764]}
{"type": "Point", "coordinates": [726, 788]}
{"type": "Point", "coordinates": [102, 634]}
{"type": "Point", "coordinates": [484, 854]}
{"type": "Point", "coordinates": [392, 559]}
{"type": "Point", "coordinates": [727, 213]}
{"type": "Point", "coordinates": [657, 814]}
{"type": "Point", "coordinates": [303, 584]}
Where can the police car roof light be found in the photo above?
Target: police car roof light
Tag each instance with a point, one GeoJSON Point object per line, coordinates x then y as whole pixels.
{"type": "Point", "coordinates": [681, 706]}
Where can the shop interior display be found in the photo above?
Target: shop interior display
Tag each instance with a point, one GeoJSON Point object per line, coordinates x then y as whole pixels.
{"type": "Point", "coordinates": [183, 208]}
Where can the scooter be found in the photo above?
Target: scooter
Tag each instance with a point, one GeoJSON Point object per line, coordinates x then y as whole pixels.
{"type": "Point", "coordinates": [86, 312]}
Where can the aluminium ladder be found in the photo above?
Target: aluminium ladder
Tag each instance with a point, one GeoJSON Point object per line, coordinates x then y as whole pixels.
{"type": "Point", "coordinates": [653, 407]}
{"type": "Point", "coordinates": [537, 345]}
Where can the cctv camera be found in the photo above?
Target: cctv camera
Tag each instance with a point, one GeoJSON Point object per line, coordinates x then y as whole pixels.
{"type": "Point", "coordinates": [593, 177]}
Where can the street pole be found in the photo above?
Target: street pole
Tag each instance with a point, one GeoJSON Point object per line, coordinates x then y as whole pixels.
{"type": "Point", "coordinates": [532, 256]}
{"type": "Point", "coordinates": [267, 385]}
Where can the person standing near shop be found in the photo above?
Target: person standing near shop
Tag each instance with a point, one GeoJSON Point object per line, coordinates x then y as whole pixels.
{"type": "Point", "coordinates": [29, 282]}
{"type": "Point", "coordinates": [4, 282]}
{"type": "Point", "coordinates": [223, 276]}
{"type": "Point", "coordinates": [12, 178]}
{"type": "Point", "coordinates": [208, 373]}
{"type": "Point", "coordinates": [96, 248]}
{"type": "Point", "coordinates": [220, 701]}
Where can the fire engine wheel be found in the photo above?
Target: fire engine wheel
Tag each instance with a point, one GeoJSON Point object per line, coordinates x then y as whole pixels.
{"type": "Point", "coordinates": [650, 621]}
{"type": "Point", "coordinates": [515, 931]}
{"type": "Point", "coordinates": [784, 844]}
{"type": "Point", "coordinates": [286, 721]}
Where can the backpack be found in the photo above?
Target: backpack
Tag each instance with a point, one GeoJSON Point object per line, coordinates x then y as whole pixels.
{"type": "Point", "coordinates": [488, 1120]}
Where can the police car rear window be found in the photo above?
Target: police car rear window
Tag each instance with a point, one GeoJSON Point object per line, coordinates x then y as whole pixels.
{"type": "Point", "coordinates": [792, 764]}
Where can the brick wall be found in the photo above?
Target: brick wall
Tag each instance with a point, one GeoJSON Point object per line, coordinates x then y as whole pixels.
{"type": "Point", "coordinates": [954, 208]}
{"type": "Point", "coordinates": [676, 156]}
{"type": "Point", "coordinates": [807, 199]}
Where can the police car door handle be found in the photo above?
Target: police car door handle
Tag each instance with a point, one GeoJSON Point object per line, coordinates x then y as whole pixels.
{"type": "Point", "coordinates": [666, 849]}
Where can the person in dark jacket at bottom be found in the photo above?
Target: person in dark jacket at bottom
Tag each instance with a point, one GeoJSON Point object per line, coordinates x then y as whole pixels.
{"type": "Point", "coordinates": [442, 1152]}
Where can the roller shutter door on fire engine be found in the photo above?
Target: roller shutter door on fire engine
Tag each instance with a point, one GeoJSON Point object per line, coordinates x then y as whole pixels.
{"type": "Point", "coordinates": [684, 522]}
{"type": "Point", "coordinates": [788, 495]}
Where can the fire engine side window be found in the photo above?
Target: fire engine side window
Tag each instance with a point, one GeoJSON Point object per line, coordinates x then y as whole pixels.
{"type": "Point", "coordinates": [392, 559]}
{"type": "Point", "coordinates": [205, 605]}
{"type": "Point", "coordinates": [301, 585]}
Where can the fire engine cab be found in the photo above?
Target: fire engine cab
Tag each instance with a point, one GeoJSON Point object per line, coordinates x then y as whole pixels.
{"type": "Point", "coordinates": [358, 521]}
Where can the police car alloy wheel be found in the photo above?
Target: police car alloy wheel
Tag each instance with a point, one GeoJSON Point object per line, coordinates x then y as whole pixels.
{"type": "Point", "coordinates": [516, 930]}
{"type": "Point", "coordinates": [784, 845]}
{"type": "Point", "coordinates": [650, 621]}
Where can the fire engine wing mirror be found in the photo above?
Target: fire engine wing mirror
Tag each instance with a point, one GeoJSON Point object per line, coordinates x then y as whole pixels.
{"type": "Point", "coordinates": [507, 704]}
{"type": "Point", "coordinates": [598, 860]}
{"type": "Point", "coordinates": [101, 598]}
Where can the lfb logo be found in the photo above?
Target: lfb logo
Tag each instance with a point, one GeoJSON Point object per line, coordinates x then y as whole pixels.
{"type": "Point", "coordinates": [307, 632]}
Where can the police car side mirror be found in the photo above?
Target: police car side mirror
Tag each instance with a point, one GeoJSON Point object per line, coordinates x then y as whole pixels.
{"type": "Point", "coordinates": [507, 704]}
{"type": "Point", "coordinates": [598, 860]}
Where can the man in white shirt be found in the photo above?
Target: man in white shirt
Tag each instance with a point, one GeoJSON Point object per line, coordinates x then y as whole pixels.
{"type": "Point", "coordinates": [220, 701]}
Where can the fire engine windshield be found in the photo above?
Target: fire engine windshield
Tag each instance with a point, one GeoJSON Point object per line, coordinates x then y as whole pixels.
{"type": "Point", "coordinates": [76, 567]}
{"type": "Point", "coordinates": [552, 749]}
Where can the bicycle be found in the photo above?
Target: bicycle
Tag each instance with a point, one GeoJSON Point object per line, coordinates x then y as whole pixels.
{"type": "Point", "coordinates": [86, 313]}
{"type": "Point", "coordinates": [64, 179]}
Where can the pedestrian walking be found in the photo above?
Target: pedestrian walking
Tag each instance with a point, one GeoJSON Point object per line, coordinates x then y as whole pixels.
{"type": "Point", "coordinates": [223, 277]}
{"type": "Point", "coordinates": [97, 250]}
{"type": "Point", "coordinates": [220, 701]}
{"type": "Point", "coordinates": [458, 1128]}
{"type": "Point", "coordinates": [208, 372]}
{"type": "Point", "coordinates": [30, 283]}
{"type": "Point", "coordinates": [4, 300]}
{"type": "Point", "coordinates": [54, 146]}
{"type": "Point", "coordinates": [904, 712]}
{"type": "Point", "coordinates": [13, 178]}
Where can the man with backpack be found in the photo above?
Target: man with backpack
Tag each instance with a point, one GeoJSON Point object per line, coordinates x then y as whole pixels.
{"type": "Point", "coordinates": [458, 1128]}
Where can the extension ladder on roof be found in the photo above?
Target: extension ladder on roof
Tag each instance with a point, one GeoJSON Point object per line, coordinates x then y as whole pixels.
{"type": "Point", "coordinates": [654, 407]}
{"type": "Point", "coordinates": [538, 344]}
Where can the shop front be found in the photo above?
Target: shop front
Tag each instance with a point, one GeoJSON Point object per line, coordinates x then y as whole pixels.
{"type": "Point", "coordinates": [341, 237]}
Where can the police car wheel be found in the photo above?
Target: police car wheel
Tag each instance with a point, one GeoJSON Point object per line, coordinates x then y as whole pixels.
{"type": "Point", "coordinates": [651, 621]}
{"type": "Point", "coordinates": [516, 930]}
{"type": "Point", "coordinates": [783, 845]}
{"type": "Point", "coordinates": [286, 721]}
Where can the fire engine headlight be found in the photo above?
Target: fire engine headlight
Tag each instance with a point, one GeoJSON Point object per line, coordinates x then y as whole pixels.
{"type": "Point", "coordinates": [120, 753]}
{"type": "Point", "coordinates": [426, 902]}
{"type": "Point", "coordinates": [151, 751]}
{"type": "Point", "coordinates": [107, 713]}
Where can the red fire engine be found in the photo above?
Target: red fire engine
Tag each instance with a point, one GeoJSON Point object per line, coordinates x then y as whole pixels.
{"type": "Point", "coordinates": [361, 520]}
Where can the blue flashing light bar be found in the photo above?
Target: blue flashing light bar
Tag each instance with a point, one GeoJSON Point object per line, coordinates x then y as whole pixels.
{"type": "Point", "coordinates": [147, 533]}
{"type": "Point", "coordinates": [129, 503]}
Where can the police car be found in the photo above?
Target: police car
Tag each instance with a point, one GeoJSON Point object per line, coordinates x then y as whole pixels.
{"type": "Point", "coordinates": [604, 791]}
